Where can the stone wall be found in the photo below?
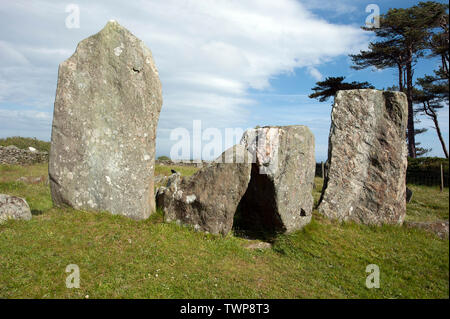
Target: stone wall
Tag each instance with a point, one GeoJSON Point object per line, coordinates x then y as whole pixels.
{"type": "Point", "coordinates": [181, 163]}
{"type": "Point", "coordinates": [13, 155]}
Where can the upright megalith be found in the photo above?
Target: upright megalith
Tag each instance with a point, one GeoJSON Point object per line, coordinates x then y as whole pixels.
{"type": "Point", "coordinates": [208, 199]}
{"type": "Point", "coordinates": [279, 195]}
{"type": "Point", "coordinates": [367, 158]}
{"type": "Point", "coordinates": [106, 111]}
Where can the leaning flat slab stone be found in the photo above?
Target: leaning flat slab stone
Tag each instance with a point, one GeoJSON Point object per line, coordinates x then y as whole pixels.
{"type": "Point", "coordinates": [208, 199]}
{"type": "Point", "coordinates": [106, 111]}
{"type": "Point", "coordinates": [279, 195]}
{"type": "Point", "coordinates": [367, 158]}
{"type": "Point", "coordinates": [12, 207]}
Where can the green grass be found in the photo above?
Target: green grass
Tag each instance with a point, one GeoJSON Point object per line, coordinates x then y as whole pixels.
{"type": "Point", "coordinates": [183, 170]}
{"type": "Point", "coordinates": [428, 204]}
{"type": "Point", "coordinates": [25, 142]}
{"type": "Point", "coordinates": [122, 258]}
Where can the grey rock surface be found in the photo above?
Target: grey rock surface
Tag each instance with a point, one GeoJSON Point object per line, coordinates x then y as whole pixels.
{"type": "Point", "coordinates": [367, 158]}
{"type": "Point", "coordinates": [258, 245]}
{"type": "Point", "coordinates": [12, 207]}
{"type": "Point", "coordinates": [208, 199]}
{"type": "Point", "coordinates": [106, 111]}
{"type": "Point", "coordinates": [279, 196]}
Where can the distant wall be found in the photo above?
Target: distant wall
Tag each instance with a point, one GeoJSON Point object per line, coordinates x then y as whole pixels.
{"type": "Point", "coordinates": [13, 155]}
{"type": "Point", "coordinates": [182, 163]}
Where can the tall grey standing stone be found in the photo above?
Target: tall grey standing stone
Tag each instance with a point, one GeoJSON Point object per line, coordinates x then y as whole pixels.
{"type": "Point", "coordinates": [106, 111]}
{"type": "Point", "coordinates": [12, 207]}
{"type": "Point", "coordinates": [208, 199]}
{"type": "Point", "coordinates": [367, 158]}
{"type": "Point", "coordinates": [279, 196]}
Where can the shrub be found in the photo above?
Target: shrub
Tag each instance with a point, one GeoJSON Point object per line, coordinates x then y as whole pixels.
{"type": "Point", "coordinates": [427, 170]}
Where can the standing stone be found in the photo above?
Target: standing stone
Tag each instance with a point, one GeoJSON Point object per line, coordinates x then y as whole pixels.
{"type": "Point", "coordinates": [208, 199]}
{"type": "Point", "coordinates": [106, 111]}
{"type": "Point", "coordinates": [367, 158]}
{"type": "Point", "coordinates": [279, 195]}
{"type": "Point", "coordinates": [12, 207]}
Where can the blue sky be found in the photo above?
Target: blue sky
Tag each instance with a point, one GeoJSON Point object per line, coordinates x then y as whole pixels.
{"type": "Point", "coordinates": [227, 63]}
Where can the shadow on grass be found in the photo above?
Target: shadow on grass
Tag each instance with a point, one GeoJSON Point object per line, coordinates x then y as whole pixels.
{"type": "Point", "coordinates": [36, 212]}
{"type": "Point", "coordinates": [250, 234]}
{"type": "Point", "coordinates": [252, 229]}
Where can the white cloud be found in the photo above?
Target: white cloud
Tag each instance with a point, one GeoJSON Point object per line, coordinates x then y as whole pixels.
{"type": "Point", "coordinates": [315, 73]}
{"type": "Point", "coordinates": [9, 55]}
{"type": "Point", "coordinates": [209, 53]}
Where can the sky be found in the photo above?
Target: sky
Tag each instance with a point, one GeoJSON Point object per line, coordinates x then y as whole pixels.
{"type": "Point", "coordinates": [228, 64]}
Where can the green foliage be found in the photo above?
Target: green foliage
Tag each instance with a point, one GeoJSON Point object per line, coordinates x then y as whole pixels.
{"type": "Point", "coordinates": [427, 170]}
{"type": "Point", "coordinates": [434, 89]}
{"type": "Point", "coordinates": [428, 163]}
{"type": "Point", "coordinates": [163, 158]}
{"type": "Point", "coordinates": [328, 88]}
{"type": "Point", "coordinates": [383, 54]}
{"type": "Point", "coordinates": [25, 142]}
{"type": "Point", "coordinates": [404, 36]}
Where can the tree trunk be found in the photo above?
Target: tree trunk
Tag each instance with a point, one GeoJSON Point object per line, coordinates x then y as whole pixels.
{"type": "Point", "coordinates": [438, 130]}
{"type": "Point", "coordinates": [409, 95]}
{"type": "Point", "coordinates": [433, 116]}
{"type": "Point", "coordinates": [444, 65]}
{"type": "Point", "coordinates": [404, 77]}
{"type": "Point", "coordinates": [400, 77]}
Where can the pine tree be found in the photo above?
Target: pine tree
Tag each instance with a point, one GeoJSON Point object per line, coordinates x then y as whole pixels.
{"type": "Point", "coordinates": [404, 37]}
{"type": "Point", "coordinates": [430, 98]}
{"type": "Point", "coordinates": [434, 89]}
{"type": "Point", "coordinates": [328, 88]}
{"type": "Point", "coordinates": [381, 55]}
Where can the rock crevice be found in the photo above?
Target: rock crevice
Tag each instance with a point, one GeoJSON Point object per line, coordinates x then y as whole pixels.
{"type": "Point", "coordinates": [268, 185]}
{"type": "Point", "coordinates": [279, 196]}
